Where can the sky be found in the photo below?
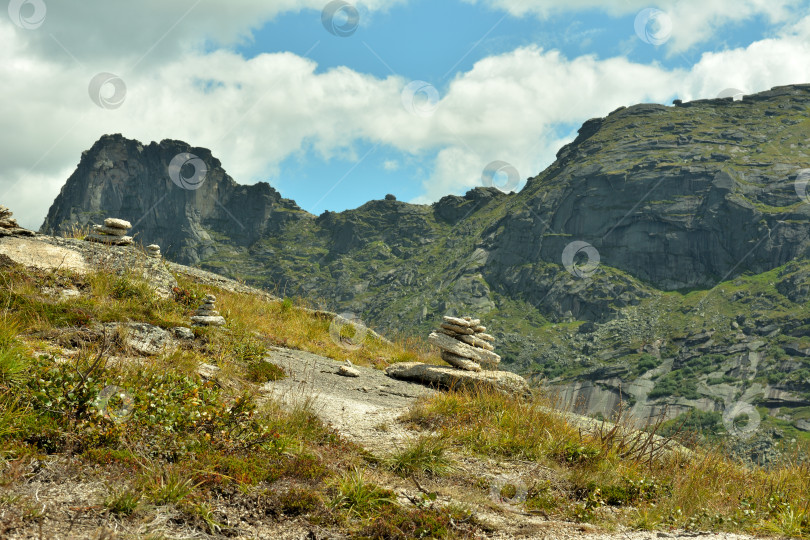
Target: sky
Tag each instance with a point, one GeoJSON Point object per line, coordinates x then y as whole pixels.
{"type": "Point", "coordinates": [337, 103]}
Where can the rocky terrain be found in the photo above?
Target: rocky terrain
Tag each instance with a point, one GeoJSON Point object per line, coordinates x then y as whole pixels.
{"type": "Point", "coordinates": [697, 212]}
{"type": "Point", "coordinates": [179, 455]}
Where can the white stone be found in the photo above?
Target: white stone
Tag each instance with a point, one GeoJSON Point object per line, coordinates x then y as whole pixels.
{"type": "Point", "coordinates": [347, 371]}
{"type": "Point", "coordinates": [116, 223]}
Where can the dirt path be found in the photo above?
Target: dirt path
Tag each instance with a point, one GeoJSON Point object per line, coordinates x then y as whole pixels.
{"type": "Point", "coordinates": [364, 409]}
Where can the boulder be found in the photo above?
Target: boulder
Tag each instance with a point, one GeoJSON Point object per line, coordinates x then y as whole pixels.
{"type": "Point", "coordinates": [450, 378]}
{"type": "Point", "coordinates": [182, 332]}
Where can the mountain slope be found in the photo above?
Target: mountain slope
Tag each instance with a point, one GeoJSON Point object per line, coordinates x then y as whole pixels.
{"type": "Point", "coordinates": [673, 199]}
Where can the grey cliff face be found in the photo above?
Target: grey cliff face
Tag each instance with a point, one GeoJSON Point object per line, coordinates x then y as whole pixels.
{"type": "Point", "coordinates": [123, 178]}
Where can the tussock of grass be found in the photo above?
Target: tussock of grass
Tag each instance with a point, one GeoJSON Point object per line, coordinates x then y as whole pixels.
{"type": "Point", "coordinates": [425, 455]}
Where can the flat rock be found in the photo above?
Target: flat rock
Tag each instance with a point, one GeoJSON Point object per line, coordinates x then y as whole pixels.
{"type": "Point", "coordinates": [446, 343]}
{"type": "Point", "coordinates": [485, 337]}
{"type": "Point", "coordinates": [460, 362]}
{"type": "Point", "coordinates": [107, 239]}
{"type": "Point", "coordinates": [116, 223]}
{"type": "Point", "coordinates": [446, 377]}
{"type": "Point", "coordinates": [458, 329]}
{"type": "Point", "coordinates": [206, 313]}
{"type": "Point", "coordinates": [145, 339]}
{"type": "Point", "coordinates": [457, 321]}
{"type": "Point", "coordinates": [200, 320]}
{"type": "Point", "coordinates": [475, 341]}
{"type": "Point", "coordinates": [110, 231]}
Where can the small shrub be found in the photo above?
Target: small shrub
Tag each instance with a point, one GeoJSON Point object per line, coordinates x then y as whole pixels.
{"type": "Point", "coordinates": [297, 501]}
{"type": "Point", "coordinates": [262, 371]}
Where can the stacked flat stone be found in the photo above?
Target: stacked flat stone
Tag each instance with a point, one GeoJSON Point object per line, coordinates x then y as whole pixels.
{"type": "Point", "coordinates": [207, 314]}
{"type": "Point", "coordinates": [465, 344]}
{"type": "Point", "coordinates": [113, 232]}
{"type": "Point", "coordinates": [153, 250]}
{"type": "Point", "coordinates": [6, 221]}
{"type": "Point", "coordinates": [9, 226]}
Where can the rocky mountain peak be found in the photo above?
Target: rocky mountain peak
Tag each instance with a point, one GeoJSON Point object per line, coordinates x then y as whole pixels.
{"type": "Point", "coordinates": [176, 195]}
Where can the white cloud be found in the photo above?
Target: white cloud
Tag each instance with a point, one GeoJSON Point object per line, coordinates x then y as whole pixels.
{"type": "Point", "coordinates": [391, 165]}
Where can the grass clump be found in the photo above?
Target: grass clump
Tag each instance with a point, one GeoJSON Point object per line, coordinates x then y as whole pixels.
{"type": "Point", "coordinates": [356, 496]}
{"type": "Point", "coordinates": [123, 502]}
{"type": "Point", "coordinates": [425, 455]}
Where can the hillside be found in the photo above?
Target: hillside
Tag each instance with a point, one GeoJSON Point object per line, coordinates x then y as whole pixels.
{"type": "Point", "coordinates": [119, 420]}
{"type": "Point", "coordinates": [699, 300]}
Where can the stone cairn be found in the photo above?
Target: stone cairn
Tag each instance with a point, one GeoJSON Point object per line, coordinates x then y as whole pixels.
{"type": "Point", "coordinates": [207, 314]}
{"type": "Point", "coordinates": [9, 226]}
{"type": "Point", "coordinates": [464, 344]}
{"type": "Point", "coordinates": [153, 250]}
{"type": "Point", "coordinates": [6, 221]}
{"type": "Point", "coordinates": [113, 233]}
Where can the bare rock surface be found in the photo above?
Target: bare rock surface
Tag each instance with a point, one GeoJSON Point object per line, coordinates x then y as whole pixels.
{"type": "Point", "coordinates": [446, 377]}
{"type": "Point", "coordinates": [364, 408]}
{"type": "Point", "coordinates": [53, 253]}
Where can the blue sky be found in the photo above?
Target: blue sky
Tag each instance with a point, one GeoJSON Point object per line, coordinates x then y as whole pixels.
{"type": "Point", "coordinates": [434, 42]}
{"type": "Point", "coordinates": [329, 121]}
